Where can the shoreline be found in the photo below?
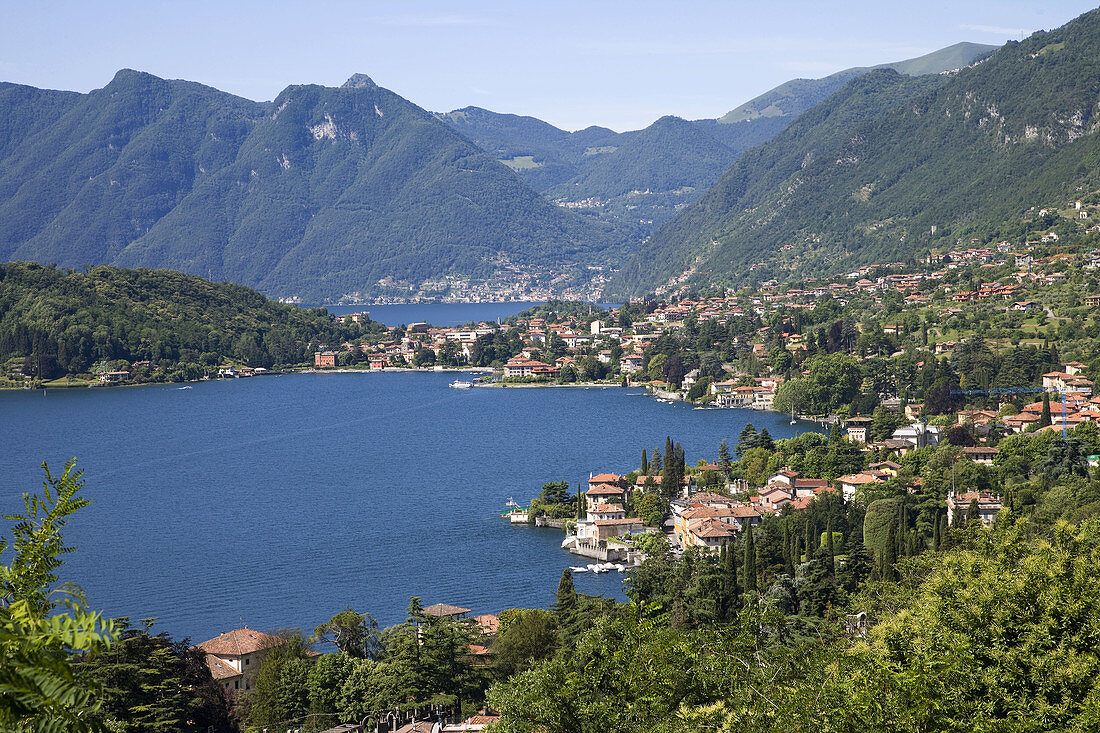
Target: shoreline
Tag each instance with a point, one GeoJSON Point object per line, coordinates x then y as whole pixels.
{"type": "Point", "coordinates": [647, 392]}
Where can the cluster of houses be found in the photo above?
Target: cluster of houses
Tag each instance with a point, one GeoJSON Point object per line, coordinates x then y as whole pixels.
{"type": "Point", "coordinates": [707, 519]}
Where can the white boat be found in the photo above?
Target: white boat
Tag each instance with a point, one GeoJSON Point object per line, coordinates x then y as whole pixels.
{"type": "Point", "coordinates": [461, 384]}
{"type": "Point", "coordinates": [579, 569]}
{"type": "Point", "coordinates": [187, 387]}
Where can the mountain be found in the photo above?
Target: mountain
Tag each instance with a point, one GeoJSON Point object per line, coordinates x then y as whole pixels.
{"type": "Point", "coordinates": [604, 172]}
{"type": "Point", "coordinates": [322, 193]}
{"type": "Point", "coordinates": [794, 97]}
{"type": "Point", "coordinates": [864, 176]}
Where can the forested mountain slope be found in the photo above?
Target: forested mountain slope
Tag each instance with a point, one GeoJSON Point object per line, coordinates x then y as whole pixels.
{"type": "Point", "coordinates": [637, 180]}
{"type": "Point", "coordinates": [322, 193]}
{"type": "Point", "coordinates": [865, 176]}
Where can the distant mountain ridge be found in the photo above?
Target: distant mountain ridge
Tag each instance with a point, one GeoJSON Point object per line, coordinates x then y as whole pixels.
{"type": "Point", "coordinates": [600, 168]}
{"type": "Point", "coordinates": [864, 176]}
{"type": "Point", "coordinates": [794, 97]}
{"type": "Point", "coordinates": [322, 193]}
{"type": "Point", "coordinates": [337, 193]}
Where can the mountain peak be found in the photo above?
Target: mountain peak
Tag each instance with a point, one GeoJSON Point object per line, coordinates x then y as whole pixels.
{"type": "Point", "coordinates": [359, 81]}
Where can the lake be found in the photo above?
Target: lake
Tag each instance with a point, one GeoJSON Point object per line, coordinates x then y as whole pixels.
{"type": "Point", "coordinates": [278, 501]}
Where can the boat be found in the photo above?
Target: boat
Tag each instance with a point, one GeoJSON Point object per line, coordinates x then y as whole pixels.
{"type": "Point", "coordinates": [579, 569]}
{"type": "Point", "coordinates": [461, 384]}
{"type": "Point", "coordinates": [187, 387]}
{"type": "Point", "coordinates": [516, 514]}
{"type": "Point", "coordinates": [793, 421]}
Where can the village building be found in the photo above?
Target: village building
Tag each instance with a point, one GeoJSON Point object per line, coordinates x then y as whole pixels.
{"type": "Point", "coordinates": [234, 657]}
{"type": "Point", "coordinates": [988, 506]}
{"type": "Point", "coordinates": [858, 429]}
{"type": "Point", "coordinates": [981, 454]}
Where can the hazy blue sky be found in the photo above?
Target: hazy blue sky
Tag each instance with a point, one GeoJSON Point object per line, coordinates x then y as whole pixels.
{"type": "Point", "coordinates": [571, 63]}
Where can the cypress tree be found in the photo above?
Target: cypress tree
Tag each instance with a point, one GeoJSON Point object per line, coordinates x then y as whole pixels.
{"type": "Point", "coordinates": [566, 605]}
{"type": "Point", "coordinates": [1044, 418]}
{"type": "Point", "coordinates": [724, 457]}
{"type": "Point", "coordinates": [746, 439]}
{"type": "Point", "coordinates": [645, 464]}
{"type": "Point", "coordinates": [807, 541]}
{"type": "Point", "coordinates": [829, 548]}
{"type": "Point", "coordinates": [787, 543]}
{"type": "Point", "coordinates": [901, 532]}
{"type": "Point", "coordinates": [750, 561]}
{"type": "Point", "coordinates": [731, 589]}
{"type": "Point", "coordinates": [655, 464]}
{"type": "Point", "coordinates": [936, 533]}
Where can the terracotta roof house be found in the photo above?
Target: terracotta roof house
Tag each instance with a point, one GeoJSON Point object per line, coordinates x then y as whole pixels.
{"type": "Point", "coordinates": [234, 657]}
{"type": "Point", "coordinates": [446, 610]}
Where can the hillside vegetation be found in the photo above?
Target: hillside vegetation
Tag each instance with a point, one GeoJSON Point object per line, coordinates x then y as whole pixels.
{"type": "Point", "coordinates": [55, 321]}
{"type": "Point", "coordinates": [794, 97]}
{"type": "Point", "coordinates": [888, 158]}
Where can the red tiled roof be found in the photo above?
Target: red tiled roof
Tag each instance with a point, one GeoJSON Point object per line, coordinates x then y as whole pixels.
{"type": "Point", "coordinates": [220, 669]}
{"type": "Point", "coordinates": [239, 642]}
{"type": "Point", "coordinates": [445, 609]}
{"type": "Point", "coordinates": [606, 490]}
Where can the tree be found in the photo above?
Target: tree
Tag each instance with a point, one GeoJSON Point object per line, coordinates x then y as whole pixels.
{"type": "Point", "coordinates": [555, 492]}
{"type": "Point", "coordinates": [566, 605]}
{"type": "Point", "coordinates": [525, 636]}
{"type": "Point", "coordinates": [724, 458]}
{"type": "Point", "coordinates": [355, 634]}
{"type": "Point", "coordinates": [281, 694]}
{"type": "Point", "coordinates": [1044, 417]}
{"type": "Point", "coordinates": [39, 688]}
{"type": "Point", "coordinates": [645, 464]}
{"type": "Point", "coordinates": [750, 560]}
{"type": "Point", "coordinates": [152, 683]}
{"type": "Point", "coordinates": [746, 439]}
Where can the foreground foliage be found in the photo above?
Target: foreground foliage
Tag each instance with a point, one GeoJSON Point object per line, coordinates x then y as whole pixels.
{"type": "Point", "coordinates": [41, 623]}
{"type": "Point", "coordinates": [997, 634]}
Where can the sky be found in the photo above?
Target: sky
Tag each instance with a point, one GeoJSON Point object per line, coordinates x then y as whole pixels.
{"type": "Point", "coordinates": [574, 64]}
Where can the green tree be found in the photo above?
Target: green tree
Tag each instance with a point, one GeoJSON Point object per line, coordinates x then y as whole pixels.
{"type": "Point", "coordinates": [281, 694]}
{"type": "Point", "coordinates": [151, 683]}
{"type": "Point", "coordinates": [42, 623]}
{"type": "Point", "coordinates": [749, 564]}
{"type": "Point", "coordinates": [725, 460]}
{"type": "Point", "coordinates": [525, 636]}
{"type": "Point", "coordinates": [353, 633]}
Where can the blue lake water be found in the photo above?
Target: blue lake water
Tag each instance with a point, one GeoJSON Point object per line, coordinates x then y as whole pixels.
{"type": "Point", "coordinates": [439, 314]}
{"type": "Point", "coordinates": [278, 501]}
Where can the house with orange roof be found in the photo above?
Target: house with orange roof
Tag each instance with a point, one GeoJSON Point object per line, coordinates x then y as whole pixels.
{"type": "Point", "coordinates": [711, 534]}
{"type": "Point", "coordinates": [234, 657]}
{"type": "Point", "coordinates": [851, 483]}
